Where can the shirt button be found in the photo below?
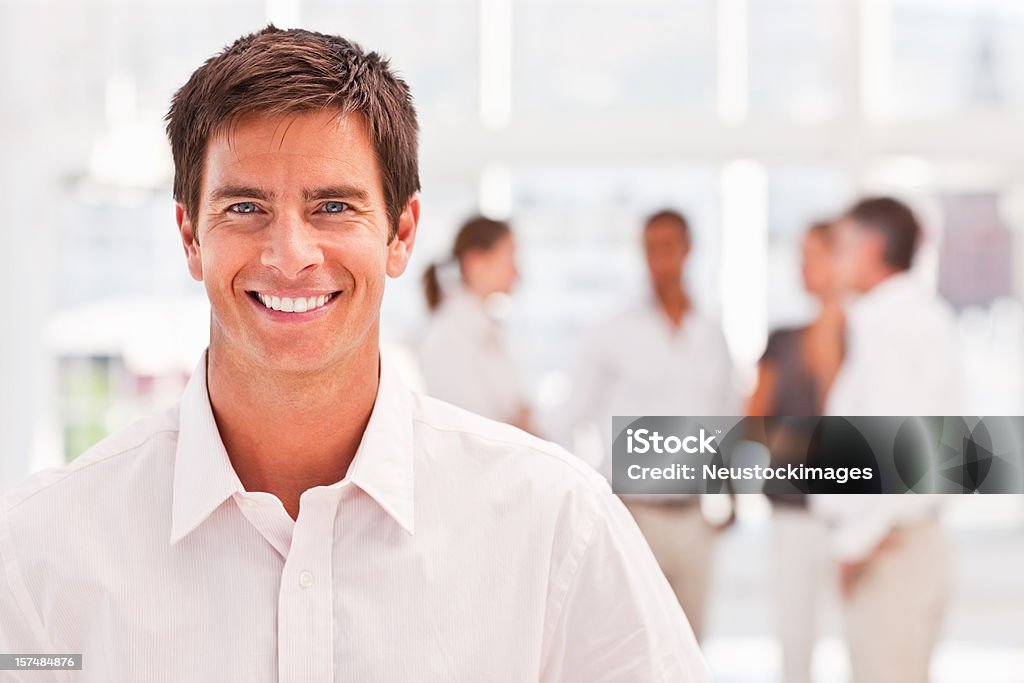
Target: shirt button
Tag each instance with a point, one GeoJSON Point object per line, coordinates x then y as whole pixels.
{"type": "Point", "coordinates": [250, 502]}
{"type": "Point", "coordinates": [306, 579]}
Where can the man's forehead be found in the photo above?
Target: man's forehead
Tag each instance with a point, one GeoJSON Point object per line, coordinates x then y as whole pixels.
{"type": "Point", "coordinates": [318, 145]}
{"type": "Point", "coordinates": [276, 131]}
{"type": "Point", "coordinates": [665, 230]}
{"type": "Point", "coordinates": [845, 226]}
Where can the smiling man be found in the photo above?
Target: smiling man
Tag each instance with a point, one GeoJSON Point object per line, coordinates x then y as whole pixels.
{"type": "Point", "coordinates": [300, 515]}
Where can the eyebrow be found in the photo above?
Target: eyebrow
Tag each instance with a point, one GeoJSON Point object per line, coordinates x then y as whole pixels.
{"type": "Point", "coordinates": [337, 192]}
{"type": "Point", "coordinates": [332, 192]}
{"type": "Point", "coordinates": [236, 191]}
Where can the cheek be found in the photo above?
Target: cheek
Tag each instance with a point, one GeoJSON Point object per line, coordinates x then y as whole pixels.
{"type": "Point", "coordinates": [366, 260]}
{"type": "Point", "coordinates": [223, 260]}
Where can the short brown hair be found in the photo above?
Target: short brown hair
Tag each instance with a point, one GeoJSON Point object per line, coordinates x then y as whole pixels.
{"type": "Point", "coordinates": [669, 216]}
{"type": "Point", "coordinates": [278, 71]}
{"type": "Point", "coordinates": [895, 222]}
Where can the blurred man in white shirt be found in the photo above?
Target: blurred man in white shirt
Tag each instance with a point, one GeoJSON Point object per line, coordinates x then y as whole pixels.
{"type": "Point", "coordinates": [900, 359]}
{"type": "Point", "coordinates": [301, 516]}
{"type": "Point", "coordinates": [661, 357]}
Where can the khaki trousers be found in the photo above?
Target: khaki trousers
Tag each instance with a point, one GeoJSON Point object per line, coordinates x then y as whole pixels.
{"type": "Point", "coordinates": [894, 614]}
{"type": "Point", "coordinates": [681, 540]}
{"type": "Point", "coordinates": [799, 572]}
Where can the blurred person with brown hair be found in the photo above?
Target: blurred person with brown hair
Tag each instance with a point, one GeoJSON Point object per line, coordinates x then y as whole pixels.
{"type": "Point", "coordinates": [463, 358]}
{"type": "Point", "coordinates": [301, 515]}
{"type": "Point", "coordinates": [795, 373]}
{"type": "Point", "coordinates": [900, 358]}
{"type": "Point", "coordinates": [799, 364]}
{"type": "Point", "coordinates": [661, 357]}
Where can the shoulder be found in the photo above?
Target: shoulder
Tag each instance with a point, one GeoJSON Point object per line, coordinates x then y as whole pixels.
{"type": "Point", "coordinates": [942, 312]}
{"type": "Point", "coordinates": [916, 314]}
{"type": "Point", "coordinates": [88, 483]}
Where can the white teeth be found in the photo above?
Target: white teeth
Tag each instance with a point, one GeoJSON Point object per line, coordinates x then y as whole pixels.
{"type": "Point", "coordinates": [296, 305]}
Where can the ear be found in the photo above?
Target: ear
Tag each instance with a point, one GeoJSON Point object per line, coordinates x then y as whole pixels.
{"type": "Point", "coordinates": [189, 241]}
{"type": "Point", "coordinates": [400, 247]}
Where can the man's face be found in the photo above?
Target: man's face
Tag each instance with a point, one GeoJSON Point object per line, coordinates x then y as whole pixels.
{"type": "Point", "coordinates": [665, 247]}
{"type": "Point", "coordinates": [858, 253]}
{"type": "Point", "coordinates": [292, 217]}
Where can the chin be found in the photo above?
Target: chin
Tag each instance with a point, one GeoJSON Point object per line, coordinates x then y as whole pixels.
{"type": "Point", "coordinates": [294, 359]}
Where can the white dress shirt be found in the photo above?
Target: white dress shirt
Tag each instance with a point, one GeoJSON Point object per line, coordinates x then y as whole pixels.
{"type": "Point", "coordinates": [901, 354]}
{"type": "Point", "coordinates": [464, 360]}
{"type": "Point", "coordinates": [455, 549]}
{"type": "Point", "coordinates": [901, 359]}
{"type": "Point", "coordinates": [637, 363]}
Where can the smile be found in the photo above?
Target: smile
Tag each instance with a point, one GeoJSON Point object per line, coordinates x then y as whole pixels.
{"type": "Point", "coordinates": [287, 304]}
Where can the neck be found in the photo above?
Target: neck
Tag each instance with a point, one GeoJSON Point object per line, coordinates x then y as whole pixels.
{"type": "Point", "coordinates": [287, 432]}
{"type": "Point", "coordinates": [476, 290]}
{"type": "Point", "coordinates": [879, 276]}
{"type": "Point", "coordinates": [673, 301]}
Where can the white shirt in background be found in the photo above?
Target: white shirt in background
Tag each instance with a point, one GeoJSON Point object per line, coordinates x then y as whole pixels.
{"type": "Point", "coordinates": [455, 549]}
{"type": "Point", "coordinates": [637, 363]}
{"type": "Point", "coordinates": [464, 360]}
{"type": "Point", "coordinates": [901, 354]}
{"type": "Point", "coordinates": [901, 359]}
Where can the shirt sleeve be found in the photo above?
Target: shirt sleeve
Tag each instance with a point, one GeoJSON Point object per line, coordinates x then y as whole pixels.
{"type": "Point", "coordinates": [617, 620]}
{"type": "Point", "coordinates": [21, 631]}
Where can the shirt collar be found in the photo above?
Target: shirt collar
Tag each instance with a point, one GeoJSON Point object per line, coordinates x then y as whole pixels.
{"type": "Point", "coordinates": [383, 466]}
{"type": "Point", "coordinates": [204, 477]}
{"type": "Point", "coordinates": [893, 290]}
{"type": "Point", "coordinates": [652, 306]}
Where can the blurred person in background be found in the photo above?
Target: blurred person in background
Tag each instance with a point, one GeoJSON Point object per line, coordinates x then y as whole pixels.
{"type": "Point", "coordinates": [661, 357]}
{"type": "Point", "coordinates": [794, 376]}
{"type": "Point", "coordinates": [799, 364]}
{"type": "Point", "coordinates": [900, 358]}
{"type": "Point", "coordinates": [463, 357]}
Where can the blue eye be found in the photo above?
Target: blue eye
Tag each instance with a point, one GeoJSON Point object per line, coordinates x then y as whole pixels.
{"type": "Point", "coordinates": [243, 207]}
{"type": "Point", "coordinates": [334, 207]}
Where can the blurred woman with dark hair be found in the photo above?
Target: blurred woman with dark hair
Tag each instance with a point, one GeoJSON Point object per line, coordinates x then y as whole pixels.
{"type": "Point", "coordinates": [799, 364]}
{"type": "Point", "coordinates": [463, 357]}
{"type": "Point", "coordinates": [795, 373]}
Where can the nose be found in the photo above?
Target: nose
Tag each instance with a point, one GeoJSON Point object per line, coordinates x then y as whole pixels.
{"type": "Point", "coordinates": [292, 246]}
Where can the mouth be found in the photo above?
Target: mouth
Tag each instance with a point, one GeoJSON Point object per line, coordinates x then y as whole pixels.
{"type": "Point", "coordinates": [292, 305]}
